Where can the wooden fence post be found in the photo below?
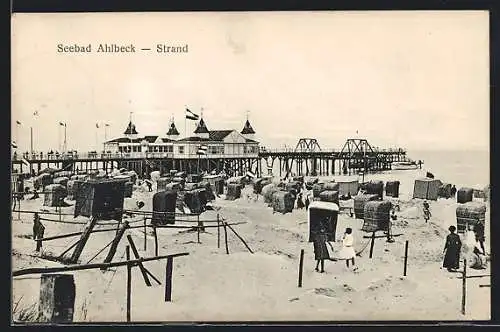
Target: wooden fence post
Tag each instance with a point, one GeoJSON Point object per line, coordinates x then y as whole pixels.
{"type": "Point", "coordinates": [198, 233]}
{"type": "Point", "coordinates": [218, 231]}
{"type": "Point", "coordinates": [301, 266]}
{"type": "Point", "coordinates": [371, 244]}
{"type": "Point", "coordinates": [406, 258]}
{"type": "Point", "coordinates": [464, 289]}
{"type": "Point", "coordinates": [168, 279]}
{"type": "Point", "coordinates": [225, 238]}
{"type": "Point", "coordinates": [145, 235]}
{"type": "Point", "coordinates": [156, 240]}
{"type": "Point", "coordinates": [136, 255]}
{"type": "Point", "coordinates": [129, 282]}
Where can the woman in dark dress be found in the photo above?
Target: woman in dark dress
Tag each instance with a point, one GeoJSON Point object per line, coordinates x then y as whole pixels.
{"type": "Point", "coordinates": [452, 250]}
{"type": "Point", "coordinates": [320, 249]}
{"type": "Point", "coordinates": [300, 203]}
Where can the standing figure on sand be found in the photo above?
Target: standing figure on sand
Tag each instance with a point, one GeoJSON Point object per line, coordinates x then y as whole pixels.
{"type": "Point", "coordinates": [300, 203]}
{"type": "Point", "coordinates": [452, 250]}
{"type": "Point", "coordinates": [320, 249]}
{"type": "Point", "coordinates": [347, 252]}
{"type": "Point", "coordinates": [427, 211]}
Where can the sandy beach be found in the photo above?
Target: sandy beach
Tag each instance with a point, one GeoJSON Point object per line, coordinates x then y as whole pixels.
{"type": "Point", "coordinates": [210, 285]}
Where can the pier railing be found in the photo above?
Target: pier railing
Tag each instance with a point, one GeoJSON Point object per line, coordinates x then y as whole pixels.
{"type": "Point", "coordinates": [75, 155]}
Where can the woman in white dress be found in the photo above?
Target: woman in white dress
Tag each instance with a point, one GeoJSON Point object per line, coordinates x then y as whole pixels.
{"type": "Point", "coordinates": [347, 251]}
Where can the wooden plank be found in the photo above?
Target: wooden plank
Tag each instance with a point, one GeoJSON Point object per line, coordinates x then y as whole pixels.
{"type": "Point", "coordinates": [136, 255]}
{"type": "Point", "coordinates": [380, 236]}
{"type": "Point", "coordinates": [79, 267]}
{"type": "Point", "coordinates": [114, 244]}
{"type": "Point", "coordinates": [83, 240]}
{"type": "Point", "coordinates": [239, 237]}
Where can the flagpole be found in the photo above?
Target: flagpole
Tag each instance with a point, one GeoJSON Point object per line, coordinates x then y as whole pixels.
{"type": "Point", "coordinates": [59, 145]}
{"type": "Point", "coordinates": [31, 139]}
{"type": "Point", "coordinates": [65, 142]}
{"type": "Point", "coordinates": [17, 134]}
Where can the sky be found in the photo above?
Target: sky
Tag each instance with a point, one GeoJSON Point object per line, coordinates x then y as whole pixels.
{"type": "Point", "coordinates": [417, 80]}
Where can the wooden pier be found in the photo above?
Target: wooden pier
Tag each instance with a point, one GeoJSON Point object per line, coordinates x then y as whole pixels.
{"type": "Point", "coordinates": [308, 159]}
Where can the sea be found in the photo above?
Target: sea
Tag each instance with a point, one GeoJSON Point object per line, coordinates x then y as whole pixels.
{"type": "Point", "coordinates": [467, 168]}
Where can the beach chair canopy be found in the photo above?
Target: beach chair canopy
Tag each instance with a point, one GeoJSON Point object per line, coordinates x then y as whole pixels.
{"type": "Point", "coordinates": [323, 214]}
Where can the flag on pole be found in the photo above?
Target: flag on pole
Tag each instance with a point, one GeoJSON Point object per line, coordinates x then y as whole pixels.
{"type": "Point", "coordinates": [107, 124]}
{"type": "Point", "coordinates": [18, 122]}
{"type": "Point", "coordinates": [190, 115]}
{"type": "Point", "coordinates": [62, 124]}
{"type": "Point", "coordinates": [97, 125]}
{"type": "Point", "coordinates": [202, 150]}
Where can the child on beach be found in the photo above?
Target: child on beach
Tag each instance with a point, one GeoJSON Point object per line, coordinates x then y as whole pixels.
{"type": "Point", "coordinates": [347, 251]}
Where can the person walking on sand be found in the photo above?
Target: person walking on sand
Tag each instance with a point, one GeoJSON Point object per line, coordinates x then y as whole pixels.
{"type": "Point", "coordinates": [320, 249]}
{"type": "Point", "coordinates": [347, 251]}
{"type": "Point", "coordinates": [307, 202]}
{"type": "Point", "coordinates": [452, 250]}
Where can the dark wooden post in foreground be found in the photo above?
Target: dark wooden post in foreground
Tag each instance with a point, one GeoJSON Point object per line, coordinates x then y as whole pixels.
{"type": "Point", "coordinates": [406, 258]}
{"type": "Point", "coordinates": [57, 298]}
{"type": "Point", "coordinates": [129, 282]}
{"type": "Point", "coordinates": [371, 244]}
{"type": "Point", "coordinates": [198, 233]}
{"type": "Point", "coordinates": [168, 279]}
{"type": "Point", "coordinates": [301, 266]}
{"type": "Point", "coordinates": [156, 240]}
{"type": "Point", "coordinates": [225, 238]}
{"type": "Point", "coordinates": [114, 244]}
{"type": "Point", "coordinates": [464, 287]}
{"type": "Point", "coordinates": [83, 240]}
{"type": "Point", "coordinates": [136, 256]}
{"type": "Point", "coordinates": [218, 231]}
